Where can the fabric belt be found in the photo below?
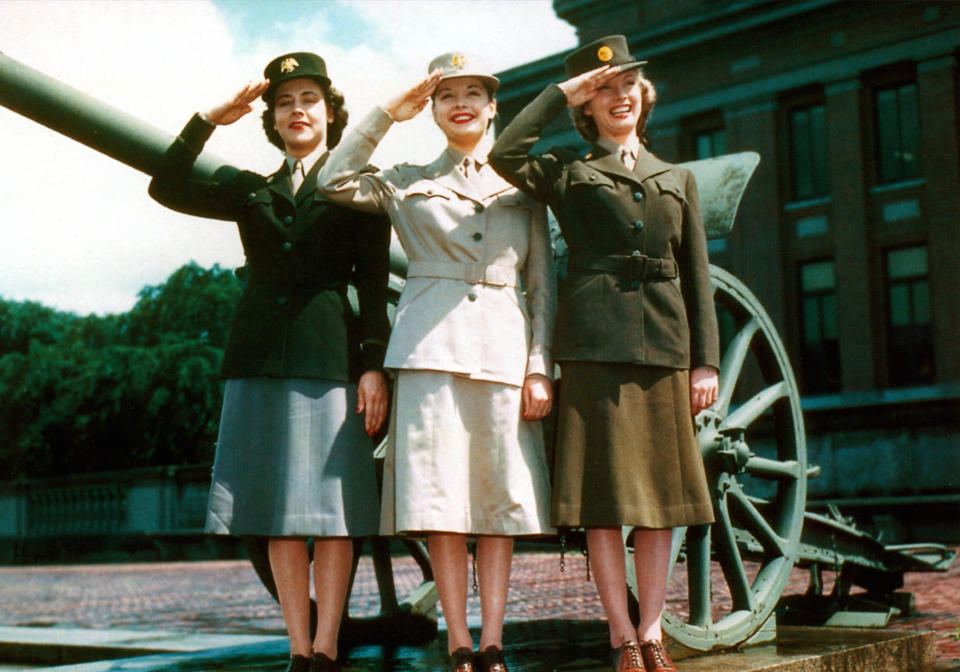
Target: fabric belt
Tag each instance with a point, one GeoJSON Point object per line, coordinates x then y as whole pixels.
{"type": "Point", "coordinates": [633, 267]}
{"type": "Point", "coordinates": [500, 276]}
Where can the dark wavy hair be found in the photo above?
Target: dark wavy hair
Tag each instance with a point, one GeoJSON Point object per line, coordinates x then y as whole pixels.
{"type": "Point", "coordinates": [587, 127]}
{"type": "Point", "coordinates": [335, 103]}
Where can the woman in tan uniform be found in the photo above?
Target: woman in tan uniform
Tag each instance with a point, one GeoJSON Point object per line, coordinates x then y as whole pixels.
{"type": "Point", "coordinates": [636, 333]}
{"type": "Point", "coordinates": [470, 345]}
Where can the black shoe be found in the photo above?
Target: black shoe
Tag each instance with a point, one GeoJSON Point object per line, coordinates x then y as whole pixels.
{"type": "Point", "coordinates": [298, 664]}
{"type": "Point", "coordinates": [461, 660]}
{"type": "Point", "coordinates": [491, 660]}
{"type": "Point", "coordinates": [321, 662]}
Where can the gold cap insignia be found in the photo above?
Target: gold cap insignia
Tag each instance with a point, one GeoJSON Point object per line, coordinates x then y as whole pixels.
{"type": "Point", "coordinates": [459, 61]}
{"type": "Point", "coordinates": [604, 53]}
{"type": "Point", "coordinates": [289, 65]}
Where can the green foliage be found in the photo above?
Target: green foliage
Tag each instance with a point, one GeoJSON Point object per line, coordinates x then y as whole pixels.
{"type": "Point", "coordinates": [81, 394]}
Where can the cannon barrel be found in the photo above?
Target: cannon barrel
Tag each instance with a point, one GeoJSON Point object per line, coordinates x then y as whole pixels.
{"type": "Point", "coordinates": [106, 129]}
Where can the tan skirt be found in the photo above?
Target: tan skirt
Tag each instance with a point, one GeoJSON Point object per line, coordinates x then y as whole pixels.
{"type": "Point", "coordinates": [461, 459]}
{"type": "Point", "coordinates": [626, 451]}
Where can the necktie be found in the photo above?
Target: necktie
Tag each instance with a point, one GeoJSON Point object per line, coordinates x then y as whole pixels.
{"type": "Point", "coordinates": [297, 176]}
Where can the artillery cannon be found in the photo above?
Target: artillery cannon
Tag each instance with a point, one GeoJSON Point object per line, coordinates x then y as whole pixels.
{"type": "Point", "coordinates": [752, 439]}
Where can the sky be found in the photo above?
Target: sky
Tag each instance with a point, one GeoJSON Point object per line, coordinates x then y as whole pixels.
{"type": "Point", "coordinates": [78, 231]}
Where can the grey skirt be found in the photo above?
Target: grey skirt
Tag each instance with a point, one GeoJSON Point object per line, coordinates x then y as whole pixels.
{"type": "Point", "coordinates": [626, 451]}
{"type": "Point", "coordinates": [292, 459]}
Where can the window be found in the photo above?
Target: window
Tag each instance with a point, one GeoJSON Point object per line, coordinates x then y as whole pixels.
{"type": "Point", "coordinates": [820, 346]}
{"type": "Point", "coordinates": [910, 331]}
{"type": "Point", "coordinates": [710, 143]}
{"type": "Point", "coordinates": [808, 152]}
{"type": "Point", "coordinates": [897, 131]}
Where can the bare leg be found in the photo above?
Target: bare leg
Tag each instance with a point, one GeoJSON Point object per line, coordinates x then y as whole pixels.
{"type": "Point", "coordinates": [651, 553]}
{"type": "Point", "coordinates": [448, 558]}
{"type": "Point", "coordinates": [291, 572]}
{"type": "Point", "coordinates": [609, 574]}
{"type": "Point", "coordinates": [494, 554]}
{"type": "Point", "coordinates": [332, 562]}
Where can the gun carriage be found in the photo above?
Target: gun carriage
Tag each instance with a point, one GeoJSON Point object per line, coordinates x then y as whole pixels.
{"type": "Point", "coordinates": [752, 439]}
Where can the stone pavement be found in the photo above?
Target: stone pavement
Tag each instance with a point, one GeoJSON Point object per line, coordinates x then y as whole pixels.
{"type": "Point", "coordinates": [227, 597]}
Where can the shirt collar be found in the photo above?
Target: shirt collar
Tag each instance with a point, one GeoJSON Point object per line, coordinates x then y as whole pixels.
{"type": "Point", "coordinates": [479, 152]}
{"type": "Point", "coordinates": [308, 160]}
{"type": "Point", "coordinates": [633, 146]}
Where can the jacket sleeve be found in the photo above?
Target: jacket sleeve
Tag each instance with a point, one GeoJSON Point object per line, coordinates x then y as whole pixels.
{"type": "Point", "coordinates": [174, 187]}
{"type": "Point", "coordinates": [540, 284]}
{"type": "Point", "coordinates": [511, 154]}
{"type": "Point", "coordinates": [695, 283]}
{"type": "Point", "coordinates": [371, 275]}
{"type": "Point", "coordinates": [342, 178]}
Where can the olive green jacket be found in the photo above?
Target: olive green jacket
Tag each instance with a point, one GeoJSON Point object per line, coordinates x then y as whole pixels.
{"type": "Point", "coordinates": [294, 319]}
{"type": "Point", "coordinates": [638, 287]}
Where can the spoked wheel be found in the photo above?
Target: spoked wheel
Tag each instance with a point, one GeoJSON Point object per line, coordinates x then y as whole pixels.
{"type": "Point", "coordinates": [731, 574]}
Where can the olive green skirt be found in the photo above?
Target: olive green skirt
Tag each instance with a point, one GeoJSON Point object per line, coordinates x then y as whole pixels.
{"type": "Point", "coordinates": [626, 453]}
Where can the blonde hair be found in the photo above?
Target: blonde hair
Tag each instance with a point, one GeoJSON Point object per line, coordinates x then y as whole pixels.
{"type": "Point", "coordinates": [587, 127]}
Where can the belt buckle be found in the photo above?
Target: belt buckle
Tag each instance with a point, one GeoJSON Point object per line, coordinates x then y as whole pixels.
{"type": "Point", "coordinates": [636, 269]}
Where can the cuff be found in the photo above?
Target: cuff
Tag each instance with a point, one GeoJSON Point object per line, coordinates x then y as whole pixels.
{"type": "Point", "coordinates": [197, 131]}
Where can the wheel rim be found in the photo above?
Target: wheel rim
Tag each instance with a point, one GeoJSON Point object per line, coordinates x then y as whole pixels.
{"type": "Point", "coordinates": [754, 450]}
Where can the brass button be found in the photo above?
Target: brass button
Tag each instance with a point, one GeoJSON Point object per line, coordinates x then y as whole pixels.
{"type": "Point", "coordinates": [478, 236]}
{"type": "Point", "coordinates": [593, 176]}
{"type": "Point", "coordinates": [638, 196]}
{"type": "Point", "coordinates": [638, 225]}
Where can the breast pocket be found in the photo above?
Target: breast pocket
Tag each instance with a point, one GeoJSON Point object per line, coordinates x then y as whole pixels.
{"type": "Point", "coordinates": [431, 205]}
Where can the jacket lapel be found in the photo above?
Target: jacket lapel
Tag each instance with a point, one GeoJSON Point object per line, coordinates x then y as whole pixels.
{"type": "Point", "coordinates": [609, 163]}
{"type": "Point", "coordinates": [279, 183]}
{"type": "Point", "coordinates": [648, 165]}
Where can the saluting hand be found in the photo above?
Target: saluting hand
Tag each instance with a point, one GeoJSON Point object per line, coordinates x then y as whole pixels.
{"type": "Point", "coordinates": [583, 88]}
{"type": "Point", "coordinates": [372, 397]}
{"type": "Point", "coordinates": [703, 388]}
{"type": "Point", "coordinates": [537, 397]}
{"type": "Point", "coordinates": [239, 105]}
{"type": "Point", "coordinates": [411, 102]}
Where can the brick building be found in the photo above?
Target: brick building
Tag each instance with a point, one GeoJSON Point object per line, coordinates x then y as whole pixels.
{"type": "Point", "coordinates": [848, 232]}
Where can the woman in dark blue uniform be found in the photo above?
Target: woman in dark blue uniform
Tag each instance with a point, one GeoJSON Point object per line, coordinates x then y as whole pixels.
{"type": "Point", "coordinates": [294, 457]}
{"type": "Point", "coordinates": [636, 333]}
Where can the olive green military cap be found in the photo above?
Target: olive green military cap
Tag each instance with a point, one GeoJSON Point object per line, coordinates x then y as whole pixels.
{"type": "Point", "coordinates": [291, 66]}
{"type": "Point", "coordinates": [609, 50]}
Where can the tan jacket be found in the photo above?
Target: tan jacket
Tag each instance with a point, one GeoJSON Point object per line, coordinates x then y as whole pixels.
{"type": "Point", "coordinates": [480, 295]}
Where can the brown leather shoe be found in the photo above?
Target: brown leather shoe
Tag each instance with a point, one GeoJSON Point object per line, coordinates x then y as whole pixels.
{"type": "Point", "coordinates": [655, 657]}
{"type": "Point", "coordinates": [491, 660]}
{"type": "Point", "coordinates": [626, 658]}
{"type": "Point", "coordinates": [461, 660]}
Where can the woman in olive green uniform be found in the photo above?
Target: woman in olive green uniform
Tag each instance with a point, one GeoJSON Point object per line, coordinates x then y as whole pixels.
{"type": "Point", "coordinates": [636, 332]}
{"type": "Point", "coordinates": [294, 459]}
